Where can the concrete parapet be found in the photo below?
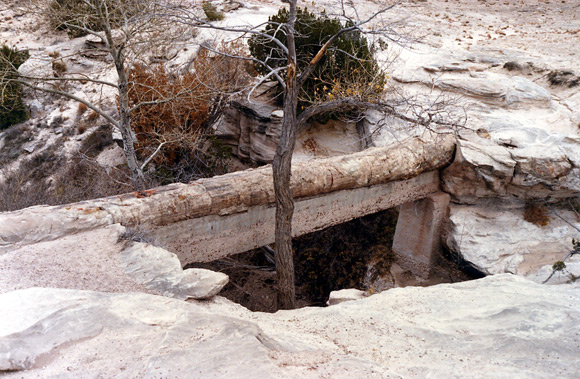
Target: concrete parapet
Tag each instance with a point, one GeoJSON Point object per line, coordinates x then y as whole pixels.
{"type": "Point", "coordinates": [417, 240]}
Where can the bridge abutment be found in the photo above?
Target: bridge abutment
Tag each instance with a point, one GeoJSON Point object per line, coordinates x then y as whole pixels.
{"type": "Point", "coordinates": [417, 240]}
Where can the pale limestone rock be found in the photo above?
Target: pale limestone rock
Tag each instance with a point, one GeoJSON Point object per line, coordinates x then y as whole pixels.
{"type": "Point", "coordinates": [253, 129]}
{"type": "Point", "coordinates": [449, 330]}
{"type": "Point", "coordinates": [526, 162]}
{"type": "Point", "coordinates": [494, 237]}
{"type": "Point", "coordinates": [340, 296]}
{"type": "Point", "coordinates": [160, 271]}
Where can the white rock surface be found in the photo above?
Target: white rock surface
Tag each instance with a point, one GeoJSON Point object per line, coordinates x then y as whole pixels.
{"type": "Point", "coordinates": [520, 142]}
{"type": "Point", "coordinates": [97, 260]}
{"type": "Point", "coordinates": [495, 238]}
{"type": "Point", "coordinates": [500, 326]}
{"type": "Point", "coordinates": [89, 260]}
{"type": "Point", "coordinates": [160, 271]}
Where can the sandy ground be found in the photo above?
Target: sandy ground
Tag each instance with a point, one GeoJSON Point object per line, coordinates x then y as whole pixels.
{"type": "Point", "coordinates": [540, 29]}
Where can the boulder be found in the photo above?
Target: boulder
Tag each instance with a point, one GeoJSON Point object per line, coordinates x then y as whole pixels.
{"type": "Point", "coordinates": [98, 260]}
{"type": "Point", "coordinates": [526, 162]}
{"type": "Point", "coordinates": [160, 271]}
{"type": "Point", "coordinates": [253, 130]}
{"type": "Point", "coordinates": [495, 238]}
{"type": "Point", "coordinates": [472, 75]}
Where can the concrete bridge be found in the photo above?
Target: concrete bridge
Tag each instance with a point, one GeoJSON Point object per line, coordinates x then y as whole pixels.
{"type": "Point", "coordinates": [216, 217]}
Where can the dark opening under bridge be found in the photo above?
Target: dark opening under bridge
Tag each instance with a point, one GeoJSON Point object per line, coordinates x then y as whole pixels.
{"type": "Point", "coordinates": [224, 215]}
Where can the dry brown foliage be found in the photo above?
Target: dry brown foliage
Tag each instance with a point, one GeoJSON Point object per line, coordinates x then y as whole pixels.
{"type": "Point", "coordinates": [175, 109]}
{"type": "Point", "coordinates": [82, 108]}
{"type": "Point", "coordinates": [537, 214]}
{"type": "Point", "coordinates": [175, 114]}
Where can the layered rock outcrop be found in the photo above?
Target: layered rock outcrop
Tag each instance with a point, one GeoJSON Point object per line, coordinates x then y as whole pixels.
{"type": "Point", "coordinates": [520, 146]}
{"type": "Point", "coordinates": [253, 130]}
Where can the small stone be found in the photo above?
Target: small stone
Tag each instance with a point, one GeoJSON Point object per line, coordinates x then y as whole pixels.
{"type": "Point", "coordinates": [29, 147]}
{"type": "Point", "coordinates": [278, 113]}
{"type": "Point", "coordinates": [341, 296]}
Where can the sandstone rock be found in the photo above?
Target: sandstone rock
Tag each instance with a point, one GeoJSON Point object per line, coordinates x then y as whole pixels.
{"type": "Point", "coordinates": [160, 270]}
{"type": "Point", "coordinates": [525, 162]}
{"type": "Point", "coordinates": [471, 79]}
{"type": "Point", "coordinates": [232, 6]}
{"type": "Point", "coordinates": [88, 260]}
{"type": "Point", "coordinates": [253, 129]}
{"type": "Point", "coordinates": [494, 237]}
{"type": "Point", "coordinates": [442, 331]}
{"type": "Point", "coordinates": [93, 41]}
{"type": "Point", "coordinates": [39, 67]}
{"type": "Point", "coordinates": [340, 296]}
{"type": "Point", "coordinates": [148, 333]}
{"type": "Point", "coordinates": [75, 262]}
{"type": "Point", "coordinates": [111, 157]}
{"type": "Point", "coordinates": [568, 275]}
{"type": "Point", "coordinates": [31, 146]}
{"type": "Point", "coordinates": [524, 90]}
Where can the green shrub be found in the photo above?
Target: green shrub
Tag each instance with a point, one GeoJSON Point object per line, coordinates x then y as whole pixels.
{"type": "Point", "coordinates": [12, 109]}
{"type": "Point", "coordinates": [211, 12]}
{"type": "Point", "coordinates": [347, 69]}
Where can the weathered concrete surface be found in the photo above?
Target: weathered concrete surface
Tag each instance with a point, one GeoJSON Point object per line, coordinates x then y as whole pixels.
{"type": "Point", "coordinates": [227, 194]}
{"type": "Point", "coordinates": [417, 238]}
{"type": "Point", "coordinates": [212, 237]}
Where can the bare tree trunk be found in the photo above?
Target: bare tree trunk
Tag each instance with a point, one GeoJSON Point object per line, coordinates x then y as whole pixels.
{"type": "Point", "coordinates": [117, 53]}
{"type": "Point", "coordinates": [281, 167]}
{"type": "Point", "coordinates": [137, 177]}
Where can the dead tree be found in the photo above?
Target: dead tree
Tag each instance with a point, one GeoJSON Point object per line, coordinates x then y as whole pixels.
{"type": "Point", "coordinates": [124, 33]}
